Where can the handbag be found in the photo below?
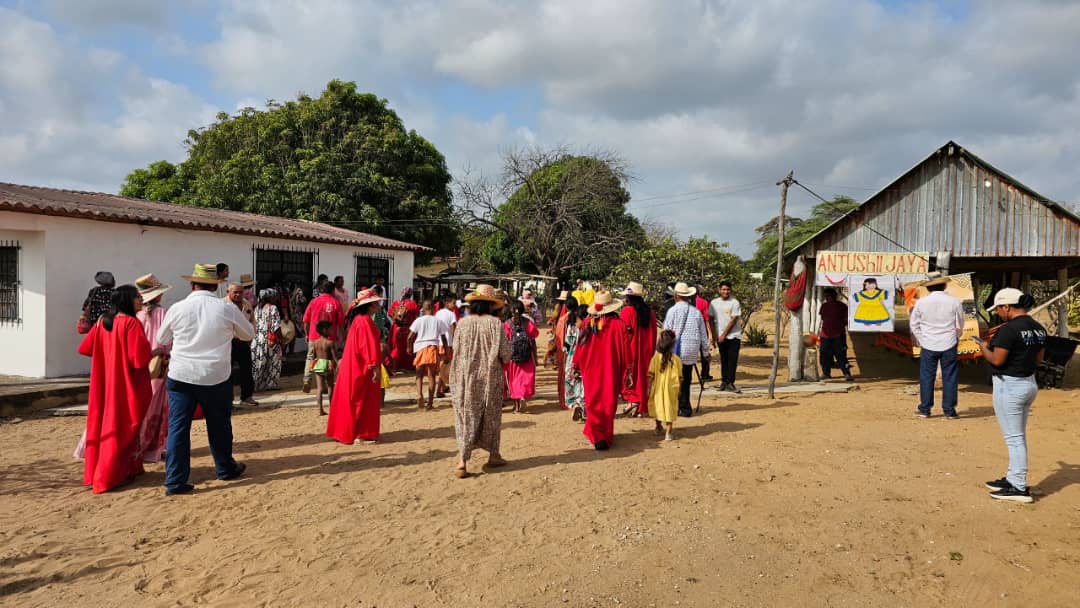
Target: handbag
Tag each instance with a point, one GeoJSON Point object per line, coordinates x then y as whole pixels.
{"type": "Point", "coordinates": [157, 367]}
{"type": "Point", "coordinates": [288, 332]}
{"type": "Point", "coordinates": [83, 325]}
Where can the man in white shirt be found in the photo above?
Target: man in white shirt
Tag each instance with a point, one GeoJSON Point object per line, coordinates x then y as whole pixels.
{"type": "Point", "coordinates": [692, 339]}
{"type": "Point", "coordinates": [426, 334]}
{"type": "Point", "coordinates": [201, 328]}
{"type": "Point", "coordinates": [937, 321]}
{"type": "Point", "coordinates": [448, 315]}
{"type": "Point", "coordinates": [725, 313]}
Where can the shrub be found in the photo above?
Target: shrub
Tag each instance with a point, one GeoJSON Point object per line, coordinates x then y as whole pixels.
{"type": "Point", "coordinates": [755, 335]}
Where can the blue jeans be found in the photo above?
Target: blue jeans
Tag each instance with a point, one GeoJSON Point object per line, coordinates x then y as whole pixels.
{"type": "Point", "coordinates": [216, 404]}
{"type": "Point", "coordinates": [1013, 397]}
{"type": "Point", "coordinates": [928, 363]}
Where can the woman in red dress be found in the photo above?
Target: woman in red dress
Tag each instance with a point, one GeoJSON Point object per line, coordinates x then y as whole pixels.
{"type": "Point", "coordinates": [602, 359]}
{"type": "Point", "coordinates": [641, 324]}
{"type": "Point", "coordinates": [354, 406]}
{"type": "Point", "coordinates": [120, 393]}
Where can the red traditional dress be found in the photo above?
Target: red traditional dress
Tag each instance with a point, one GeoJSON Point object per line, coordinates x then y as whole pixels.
{"type": "Point", "coordinates": [602, 358]}
{"type": "Point", "coordinates": [354, 407]}
{"type": "Point", "coordinates": [521, 377]}
{"type": "Point", "coordinates": [642, 346]}
{"type": "Point", "coordinates": [119, 396]}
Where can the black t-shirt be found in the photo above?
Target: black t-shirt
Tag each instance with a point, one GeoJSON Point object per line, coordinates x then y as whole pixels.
{"type": "Point", "coordinates": [1024, 338]}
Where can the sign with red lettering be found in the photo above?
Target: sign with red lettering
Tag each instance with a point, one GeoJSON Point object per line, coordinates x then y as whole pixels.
{"type": "Point", "coordinates": [833, 268]}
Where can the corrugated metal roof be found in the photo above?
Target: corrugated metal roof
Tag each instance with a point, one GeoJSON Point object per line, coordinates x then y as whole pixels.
{"type": "Point", "coordinates": [110, 208]}
{"type": "Point", "coordinates": [943, 203]}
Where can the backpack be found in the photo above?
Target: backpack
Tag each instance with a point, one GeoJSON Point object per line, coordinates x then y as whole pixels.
{"type": "Point", "coordinates": [520, 344]}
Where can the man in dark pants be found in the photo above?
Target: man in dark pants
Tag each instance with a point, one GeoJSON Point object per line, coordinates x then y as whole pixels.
{"type": "Point", "coordinates": [201, 328]}
{"type": "Point", "coordinates": [833, 335]}
{"type": "Point", "coordinates": [241, 349]}
{"type": "Point", "coordinates": [937, 322]}
{"type": "Point", "coordinates": [726, 316]}
{"type": "Point", "coordinates": [691, 336]}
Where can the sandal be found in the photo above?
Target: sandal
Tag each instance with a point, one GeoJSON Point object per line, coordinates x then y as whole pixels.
{"type": "Point", "coordinates": [460, 472]}
{"type": "Point", "coordinates": [496, 462]}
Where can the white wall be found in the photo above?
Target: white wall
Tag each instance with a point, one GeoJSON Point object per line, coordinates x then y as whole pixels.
{"type": "Point", "coordinates": [22, 345]}
{"type": "Point", "coordinates": [74, 249]}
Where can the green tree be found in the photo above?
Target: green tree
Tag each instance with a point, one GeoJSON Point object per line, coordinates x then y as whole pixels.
{"type": "Point", "coordinates": [563, 215]}
{"type": "Point", "coordinates": [343, 158]}
{"type": "Point", "coordinates": [796, 231]}
{"type": "Point", "coordinates": [161, 181]}
{"type": "Point", "coordinates": [696, 261]}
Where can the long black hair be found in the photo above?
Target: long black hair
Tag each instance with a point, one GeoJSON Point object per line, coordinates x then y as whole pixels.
{"type": "Point", "coordinates": [123, 301]}
{"type": "Point", "coordinates": [480, 307]}
{"type": "Point", "coordinates": [518, 313]}
{"type": "Point", "coordinates": [356, 311]}
{"type": "Point", "coordinates": [641, 308]}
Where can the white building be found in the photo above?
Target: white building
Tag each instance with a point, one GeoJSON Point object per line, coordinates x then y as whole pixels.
{"type": "Point", "coordinates": [52, 242]}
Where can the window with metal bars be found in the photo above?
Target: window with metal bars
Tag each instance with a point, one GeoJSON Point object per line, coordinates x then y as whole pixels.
{"type": "Point", "coordinates": [369, 269]}
{"type": "Point", "coordinates": [9, 282]}
{"type": "Point", "coordinates": [285, 268]}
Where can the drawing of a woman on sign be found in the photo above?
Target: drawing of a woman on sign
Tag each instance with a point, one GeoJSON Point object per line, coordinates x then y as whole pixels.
{"type": "Point", "coordinates": [872, 307]}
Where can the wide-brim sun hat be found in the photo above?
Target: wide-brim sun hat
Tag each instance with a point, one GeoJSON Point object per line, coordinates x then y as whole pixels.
{"type": "Point", "coordinates": [635, 289]}
{"type": "Point", "coordinates": [604, 303]}
{"type": "Point", "coordinates": [940, 280]}
{"type": "Point", "coordinates": [246, 280]}
{"type": "Point", "coordinates": [203, 273]}
{"type": "Point", "coordinates": [366, 296]}
{"type": "Point", "coordinates": [683, 290]}
{"type": "Point", "coordinates": [485, 293]}
{"type": "Point", "coordinates": [150, 288]}
{"type": "Point", "coordinates": [1009, 296]}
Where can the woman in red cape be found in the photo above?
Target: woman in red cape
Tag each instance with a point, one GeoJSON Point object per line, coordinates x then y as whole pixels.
{"type": "Point", "coordinates": [120, 393]}
{"type": "Point", "coordinates": [602, 357]}
{"type": "Point", "coordinates": [641, 324]}
{"type": "Point", "coordinates": [354, 406]}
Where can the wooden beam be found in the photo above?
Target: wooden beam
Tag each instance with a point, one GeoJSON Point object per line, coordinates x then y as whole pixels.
{"type": "Point", "coordinates": [1063, 304]}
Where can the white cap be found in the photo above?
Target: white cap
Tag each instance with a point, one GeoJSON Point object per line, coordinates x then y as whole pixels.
{"type": "Point", "coordinates": [1007, 297]}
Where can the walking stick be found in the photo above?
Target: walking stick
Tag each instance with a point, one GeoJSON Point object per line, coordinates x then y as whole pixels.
{"type": "Point", "coordinates": [701, 389]}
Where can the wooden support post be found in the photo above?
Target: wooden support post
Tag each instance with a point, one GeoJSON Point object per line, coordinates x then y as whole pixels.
{"type": "Point", "coordinates": [785, 184]}
{"type": "Point", "coordinates": [1063, 304]}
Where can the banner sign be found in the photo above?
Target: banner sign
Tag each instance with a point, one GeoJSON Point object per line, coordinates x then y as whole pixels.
{"type": "Point", "coordinates": [864, 262]}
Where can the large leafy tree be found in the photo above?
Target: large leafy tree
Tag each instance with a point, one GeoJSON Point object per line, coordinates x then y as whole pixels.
{"type": "Point", "coordinates": [554, 213]}
{"type": "Point", "coordinates": [796, 231]}
{"type": "Point", "coordinates": [696, 261]}
{"type": "Point", "coordinates": [343, 158]}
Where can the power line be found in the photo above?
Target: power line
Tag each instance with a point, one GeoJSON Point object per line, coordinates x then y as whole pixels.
{"type": "Point", "coordinates": [663, 196]}
{"type": "Point", "coordinates": [863, 224]}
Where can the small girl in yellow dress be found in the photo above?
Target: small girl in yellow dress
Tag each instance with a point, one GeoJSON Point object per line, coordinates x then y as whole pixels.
{"type": "Point", "coordinates": [665, 373]}
{"type": "Point", "coordinates": [870, 304]}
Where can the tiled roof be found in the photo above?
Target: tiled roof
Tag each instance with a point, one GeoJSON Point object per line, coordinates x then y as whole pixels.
{"type": "Point", "coordinates": [110, 208]}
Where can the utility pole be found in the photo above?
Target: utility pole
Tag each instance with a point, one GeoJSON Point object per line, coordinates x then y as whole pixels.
{"type": "Point", "coordinates": [784, 185]}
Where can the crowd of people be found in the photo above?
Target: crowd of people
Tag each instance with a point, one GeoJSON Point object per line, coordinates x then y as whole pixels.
{"type": "Point", "coordinates": [154, 370]}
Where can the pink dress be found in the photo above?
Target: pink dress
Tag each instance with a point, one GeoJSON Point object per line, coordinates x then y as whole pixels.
{"type": "Point", "coordinates": [521, 377]}
{"type": "Point", "coordinates": [155, 427]}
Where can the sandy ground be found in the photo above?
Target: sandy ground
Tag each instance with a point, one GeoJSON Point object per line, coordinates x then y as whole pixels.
{"type": "Point", "coordinates": [809, 500]}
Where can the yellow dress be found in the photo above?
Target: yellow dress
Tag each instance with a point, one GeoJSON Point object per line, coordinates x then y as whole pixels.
{"type": "Point", "coordinates": [585, 297]}
{"type": "Point", "coordinates": [871, 307]}
{"type": "Point", "coordinates": [664, 388]}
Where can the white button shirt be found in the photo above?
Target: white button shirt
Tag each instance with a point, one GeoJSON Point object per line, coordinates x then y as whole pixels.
{"type": "Point", "coordinates": [937, 321]}
{"type": "Point", "coordinates": [201, 328]}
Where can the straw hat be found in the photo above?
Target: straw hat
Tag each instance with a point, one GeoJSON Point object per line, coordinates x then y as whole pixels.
{"type": "Point", "coordinates": [563, 295]}
{"type": "Point", "coordinates": [203, 273]}
{"type": "Point", "coordinates": [683, 290]}
{"type": "Point", "coordinates": [635, 289]}
{"type": "Point", "coordinates": [150, 287]}
{"type": "Point", "coordinates": [936, 280]}
{"type": "Point", "coordinates": [485, 293]}
{"type": "Point", "coordinates": [364, 297]}
{"type": "Point", "coordinates": [603, 303]}
{"type": "Point", "coordinates": [246, 280]}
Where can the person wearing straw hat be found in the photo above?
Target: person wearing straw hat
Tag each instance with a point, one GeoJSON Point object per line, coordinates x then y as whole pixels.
{"type": "Point", "coordinates": [247, 282]}
{"type": "Point", "coordinates": [200, 329]}
{"type": "Point", "coordinates": [355, 403]}
{"type": "Point", "coordinates": [602, 359]}
{"type": "Point", "coordinates": [937, 322]}
{"type": "Point", "coordinates": [481, 349]}
{"type": "Point", "coordinates": [691, 338]}
{"type": "Point", "coordinates": [155, 429]}
{"type": "Point", "coordinates": [532, 309]}
{"type": "Point", "coordinates": [640, 322]}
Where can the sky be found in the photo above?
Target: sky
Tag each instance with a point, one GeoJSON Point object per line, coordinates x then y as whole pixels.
{"type": "Point", "coordinates": [711, 102]}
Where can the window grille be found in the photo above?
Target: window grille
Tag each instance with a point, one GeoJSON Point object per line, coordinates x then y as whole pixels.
{"type": "Point", "coordinates": [371, 267]}
{"type": "Point", "coordinates": [10, 285]}
{"type": "Point", "coordinates": [284, 267]}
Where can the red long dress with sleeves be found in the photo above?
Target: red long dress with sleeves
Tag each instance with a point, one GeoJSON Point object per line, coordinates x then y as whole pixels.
{"type": "Point", "coordinates": [642, 346]}
{"type": "Point", "coordinates": [354, 407]}
{"type": "Point", "coordinates": [119, 397]}
{"type": "Point", "coordinates": [603, 358]}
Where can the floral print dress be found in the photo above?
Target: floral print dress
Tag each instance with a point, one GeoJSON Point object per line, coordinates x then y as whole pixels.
{"type": "Point", "coordinates": [266, 357]}
{"type": "Point", "coordinates": [575, 391]}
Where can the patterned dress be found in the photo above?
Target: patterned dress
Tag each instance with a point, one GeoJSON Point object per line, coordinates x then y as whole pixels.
{"type": "Point", "coordinates": [480, 351]}
{"type": "Point", "coordinates": [574, 391]}
{"type": "Point", "coordinates": [266, 358]}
